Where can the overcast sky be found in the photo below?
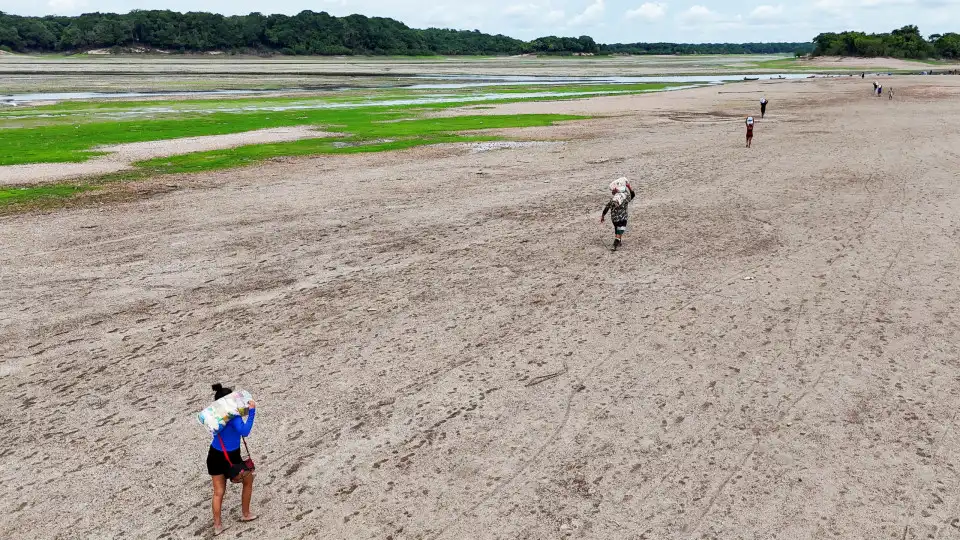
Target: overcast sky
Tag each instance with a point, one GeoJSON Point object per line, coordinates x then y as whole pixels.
{"type": "Point", "coordinates": [606, 20]}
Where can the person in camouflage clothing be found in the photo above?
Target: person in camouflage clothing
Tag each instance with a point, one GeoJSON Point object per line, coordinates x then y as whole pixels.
{"type": "Point", "coordinates": [621, 195]}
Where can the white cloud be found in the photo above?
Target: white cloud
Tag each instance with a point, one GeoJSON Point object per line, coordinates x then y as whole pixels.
{"type": "Point", "coordinates": [555, 15]}
{"type": "Point", "coordinates": [440, 15]}
{"type": "Point", "coordinates": [534, 13]}
{"type": "Point", "coordinates": [766, 13]}
{"type": "Point", "coordinates": [851, 6]}
{"type": "Point", "coordinates": [767, 16]}
{"type": "Point", "coordinates": [700, 17]}
{"type": "Point", "coordinates": [881, 3]}
{"type": "Point", "coordinates": [521, 9]}
{"type": "Point", "coordinates": [591, 15]}
{"type": "Point", "coordinates": [648, 12]}
{"type": "Point", "coordinates": [832, 6]}
{"type": "Point", "coordinates": [65, 7]}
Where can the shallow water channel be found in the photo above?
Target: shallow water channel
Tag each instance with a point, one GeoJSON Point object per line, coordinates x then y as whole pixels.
{"type": "Point", "coordinates": [411, 83]}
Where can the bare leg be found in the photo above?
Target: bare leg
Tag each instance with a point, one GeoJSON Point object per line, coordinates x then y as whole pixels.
{"type": "Point", "coordinates": [219, 489]}
{"type": "Point", "coordinates": [245, 497]}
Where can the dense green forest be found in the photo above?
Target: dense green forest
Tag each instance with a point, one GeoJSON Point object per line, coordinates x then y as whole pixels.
{"type": "Point", "coordinates": [707, 48]}
{"type": "Point", "coordinates": [306, 33]}
{"type": "Point", "coordinates": [903, 43]}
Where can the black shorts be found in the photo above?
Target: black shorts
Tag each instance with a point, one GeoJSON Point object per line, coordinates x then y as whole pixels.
{"type": "Point", "coordinates": [217, 463]}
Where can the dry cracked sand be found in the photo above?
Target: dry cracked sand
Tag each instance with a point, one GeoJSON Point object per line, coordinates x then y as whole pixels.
{"type": "Point", "coordinates": [443, 346]}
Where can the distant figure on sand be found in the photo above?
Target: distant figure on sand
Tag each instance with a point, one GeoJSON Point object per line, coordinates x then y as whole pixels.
{"type": "Point", "coordinates": [224, 462]}
{"type": "Point", "coordinates": [863, 75]}
{"type": "Point", "coordinates": [763, 107]}
{"type": "Point", "coordinates": [879, 90]}
{"type": "Point", "coordinates": [621, 193]}
{"type": "Point", "coordinates": [890, 93]}
{"type": "Point", "coordinates": [749, 131]}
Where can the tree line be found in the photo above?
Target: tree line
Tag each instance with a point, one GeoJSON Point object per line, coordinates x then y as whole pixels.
{"type": "Point", "coordinates": [707, 48]}
{"type": "Point", "coordinates": [307, 33]}
{"type": "Point", "coordinates": [906, 42]}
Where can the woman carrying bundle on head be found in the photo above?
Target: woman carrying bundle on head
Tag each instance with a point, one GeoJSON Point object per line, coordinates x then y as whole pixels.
{"type": "Point", "coordinates": [224, 461]}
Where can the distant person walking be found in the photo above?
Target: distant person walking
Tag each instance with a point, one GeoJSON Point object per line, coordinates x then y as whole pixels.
{"type": "Point", "coordinates": [749, 131]}
{"type": "Point", "coordinates": [763, 107]}
{"type": "Point", "coordinates": [879, 90]}
{"type": "Point", "coordinates": [224, 462]}
{"type": "Point", "coordinates": [863, 75]}
{"type": "Point", "coordinates": [890, 93]}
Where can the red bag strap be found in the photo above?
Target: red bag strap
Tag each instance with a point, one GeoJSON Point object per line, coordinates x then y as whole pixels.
{"type": "Point", "coordinates": [223, 448]}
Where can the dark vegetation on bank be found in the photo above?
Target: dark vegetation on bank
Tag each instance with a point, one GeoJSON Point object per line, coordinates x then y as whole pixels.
{"type": "Point", "coordinates": [708, 48]}
{"type": "Point", "coordinates": [309, 33]}
{"type": "Point", "coordinates": [903, 43]}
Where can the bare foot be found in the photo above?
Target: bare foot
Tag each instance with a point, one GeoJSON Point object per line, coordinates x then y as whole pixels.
{"type": "Point", "coordinates": [217, 531]}
{"type": "Point", "coordinates": [251, 517]}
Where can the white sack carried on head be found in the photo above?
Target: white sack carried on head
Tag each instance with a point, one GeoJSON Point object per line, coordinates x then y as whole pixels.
{"type": "Point", "coordinates": [221, 411]}
{"type": "Point", "coordinates": [619, 185]}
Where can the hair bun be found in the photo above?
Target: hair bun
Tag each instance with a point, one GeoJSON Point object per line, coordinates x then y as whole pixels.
{"type": "Point", "coordinates": [217, 387]}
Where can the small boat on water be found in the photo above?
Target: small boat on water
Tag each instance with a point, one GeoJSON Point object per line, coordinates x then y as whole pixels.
{"type": "Point", "coordinates": [751, 78]}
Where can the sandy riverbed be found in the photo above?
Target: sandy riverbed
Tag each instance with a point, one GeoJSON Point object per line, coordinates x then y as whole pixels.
{"type": "Point", "coordinates": [29, 74]}
{"type": "Point", "coordinates": [849, 62]}
{"type": "Point", "coordinates": [443, 345]}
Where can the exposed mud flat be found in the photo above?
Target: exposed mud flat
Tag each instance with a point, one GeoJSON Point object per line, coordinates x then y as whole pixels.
{"type": "Point", "coordinates": [443, 345]}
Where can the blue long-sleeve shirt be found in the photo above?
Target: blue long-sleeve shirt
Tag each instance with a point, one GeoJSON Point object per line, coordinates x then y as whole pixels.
{"type": "Point", "coordinates": [232, 432]}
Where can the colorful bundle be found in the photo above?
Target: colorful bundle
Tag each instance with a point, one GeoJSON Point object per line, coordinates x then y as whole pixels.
{"type": "Point", "coordinates": [218, 414]}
